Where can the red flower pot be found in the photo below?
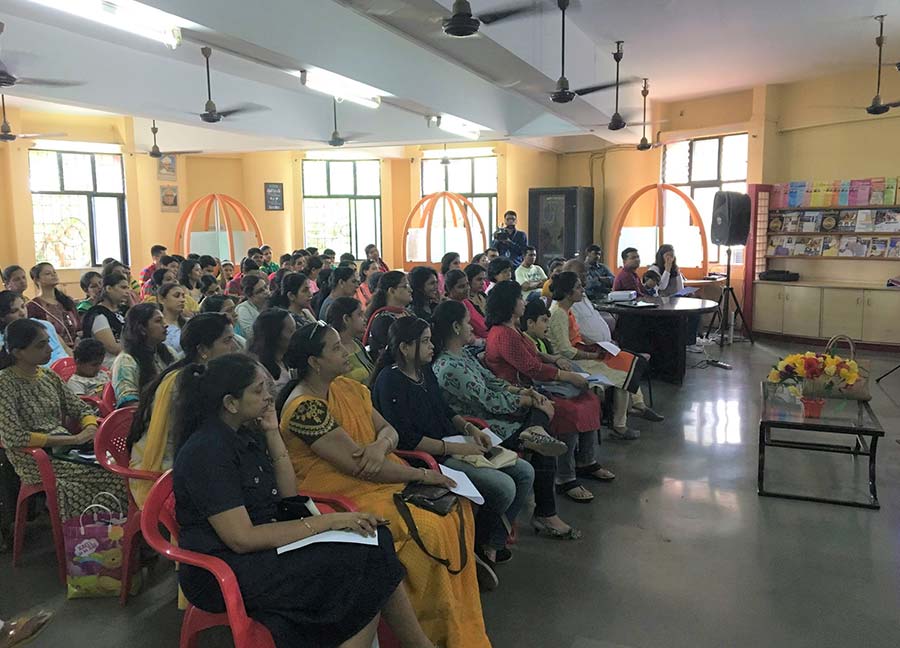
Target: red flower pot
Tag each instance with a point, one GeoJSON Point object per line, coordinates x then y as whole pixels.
{"type": "Point", "coordinates": [812, 407]}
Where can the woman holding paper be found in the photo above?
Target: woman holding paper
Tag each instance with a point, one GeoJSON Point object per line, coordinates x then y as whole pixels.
{"type": "Point", "coordinates": [406, 392]}
{"type": "Point", "coordinates": [622, 370]}
{"type": "Point", "coordinates": [231, 470]}
{"type": "Point", "coordinates": [338, 443]}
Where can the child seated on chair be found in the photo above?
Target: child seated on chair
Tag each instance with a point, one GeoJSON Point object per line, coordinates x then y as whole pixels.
{"type": "Point", "coordinates": [90, 376]}
{"type": "Point", "coordinates": [651, 281]}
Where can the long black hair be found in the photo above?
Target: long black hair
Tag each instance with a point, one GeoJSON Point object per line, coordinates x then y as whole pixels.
{"type": "Point", "coordinates": [201, 330]}
{"type": "Point", "coordinates": [134, 342]}
{"type": "Point", "coordinates": [164, 290]}
{"type": "Point", "coordinates": [266, 333]}
{"type": "Point", "coordinates": [501, 303]}
{"type": "Point", "coordinates": [388, 281]}
{"type": "Point", "coordinates": [447, 259]}
{"type": "Point", "coordinates": [404, 330]}
{"type": "Point", "coordinates": [446, 315]}
{"type": "Point", "coordinates": [418, 277]}
{"type": "Point", "coordinates": [201, 389]}
{"type": "Point", "coordinates": [562, 284]}
{"type": "Point", "coordinates": [289, 286]}
{"type": "Point", "coordinates": [340, 307]}
{"type": "Point", "coordinates": [64, 300]}
{"type": "Point", "coordinates": [307, 342]}
{"type": "Point", "coordinates": [363, 268]}
{"type": "Point", "coordinates": [452, 278]}
{"type": "Point", "coordinates": [661, 259]}
{"type": "Point", "coordinates": [19, 334]}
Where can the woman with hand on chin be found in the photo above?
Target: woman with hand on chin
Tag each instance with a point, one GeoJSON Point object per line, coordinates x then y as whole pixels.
{"type": "Point", "coordinates": [231, 470]}
{"type": "Point", "coordinates": [346, 317]}
{"type": "Point", "coordinates": [339, 444]}
{"type": "Point", "coordinates": [34, 406]}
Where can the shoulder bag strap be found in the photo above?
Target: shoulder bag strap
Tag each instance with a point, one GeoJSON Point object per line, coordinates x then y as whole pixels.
{"type": "Point", "coordinates": [405, 513]}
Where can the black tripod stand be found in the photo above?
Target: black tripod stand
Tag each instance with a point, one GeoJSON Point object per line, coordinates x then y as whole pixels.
{"type": "Point", "coordinates": [724, 306]}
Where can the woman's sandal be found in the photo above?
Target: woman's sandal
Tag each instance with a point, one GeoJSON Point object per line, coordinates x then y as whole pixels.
{"type": "Point", "coordinates": [575, 492]}
{"type": "Point", "coordinates": [595, 471]}
{"type": "Point", "coordinates": [542, 528]}
{"type": "Point", "coordinates": [537, 440]}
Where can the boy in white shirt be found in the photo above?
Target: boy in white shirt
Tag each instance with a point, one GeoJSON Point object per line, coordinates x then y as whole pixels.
{"type": "Point", "coordinates": [90, 378]}
{"type": "Point", "coordinates": [530, 275]}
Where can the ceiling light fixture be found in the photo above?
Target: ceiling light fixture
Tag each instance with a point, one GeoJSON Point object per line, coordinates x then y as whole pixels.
{"type": "Point", "coordinates": [127, 15]}
{"type": "Point", "coordinates": [81, 147]}
{"type": "Point", "coordinates": [340, 87]}
{"type": "Point", "coordinates": [455, 126]}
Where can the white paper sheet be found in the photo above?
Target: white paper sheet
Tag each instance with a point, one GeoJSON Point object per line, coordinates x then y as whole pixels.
{"type": "Point", "coordinates": [347, 537]}
{"type": "Point", "coordinates": [609, 347]}
{"type": "Point", "coordinates": [459, 438]}
{"type": "Point", "coordinates": [464, 485]}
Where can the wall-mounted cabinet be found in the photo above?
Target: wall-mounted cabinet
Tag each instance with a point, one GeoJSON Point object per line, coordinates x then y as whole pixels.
{"type": "Point", "coordinates": [820, 312]}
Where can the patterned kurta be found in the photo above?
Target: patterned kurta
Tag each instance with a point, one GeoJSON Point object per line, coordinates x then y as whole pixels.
{"type": "Point", "coordinates": [472, 390]}
{"type": "Point", "coordinates": [33, 408]}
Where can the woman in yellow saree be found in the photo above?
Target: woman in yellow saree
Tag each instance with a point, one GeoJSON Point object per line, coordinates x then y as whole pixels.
{"type": "Point", "coordinates": [339, 444]}
{"type": "Point", "coordinates": [204, 337]}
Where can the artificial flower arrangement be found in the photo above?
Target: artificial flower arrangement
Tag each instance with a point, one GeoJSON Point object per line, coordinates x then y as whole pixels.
{"type": "Point", "coordinates": [810, 376]}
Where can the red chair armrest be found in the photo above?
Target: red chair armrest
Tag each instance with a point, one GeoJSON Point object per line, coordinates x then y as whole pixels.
{"type": "Point", "coordinates": [476, 421]}
{"type": "Point", "coordinates": [419, 456]}
{"type": "Point", "coordinates": [335, 501]}
{"type": "Point", "coordinates": [45, 468]}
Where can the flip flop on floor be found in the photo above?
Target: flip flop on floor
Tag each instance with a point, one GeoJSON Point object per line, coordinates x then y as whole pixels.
{"type": "Point", "coordinates": [595, 471]}
{"type": "Point", "coordinates": [575, 492]}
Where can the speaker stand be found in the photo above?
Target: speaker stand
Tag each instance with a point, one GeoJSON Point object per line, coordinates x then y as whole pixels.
{"type": "Point", "coordinates": [725, 298]}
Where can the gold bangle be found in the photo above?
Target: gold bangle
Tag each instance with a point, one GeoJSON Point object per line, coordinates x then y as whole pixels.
{"type": "Point", "coordinates": [424, 474]}
{"type": "Point", "coordinates": [307, 525]}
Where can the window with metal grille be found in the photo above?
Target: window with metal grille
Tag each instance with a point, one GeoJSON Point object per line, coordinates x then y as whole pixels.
{"type": "Point", "coordinates": [78, 205]}
{"type": "Point", "coordinates": [342, 205]}
{"type": "Point", "coordinates": [700, 168]}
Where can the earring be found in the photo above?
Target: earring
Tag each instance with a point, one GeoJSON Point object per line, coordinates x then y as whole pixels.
{"type": "Point", "coordinates": [203, 357]}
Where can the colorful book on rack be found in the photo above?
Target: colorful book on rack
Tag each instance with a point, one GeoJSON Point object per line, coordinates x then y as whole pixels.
{"type": "Point", "coordinates": [778, 196]}
{"type": "Point", "coordinates": [807, 194]}
{"type": "Point", "coordinates": [812, 246]}
{"type": "Point", "coordinates": [791, 222]}
{"type": "Point", "coordinates": [893, 251]}
{"type": "Point", "coordinates": [830, 221]}
{"type": "Point", "coordinates": [890, 191]}
{"type": "Point", "coordinates": [777, 247]}
{"type": "Point", "coordinates": [828, 191]}
{"type": "Point", "coordinates": [797, 245]}
{"type": "Point", "coordinates": [810, 221]}
{"type": "Point", "coordinates": [862, 246]}
{"type": "Point", "coordinates": [847, 221]}
{"type": "Point", "coordinates": [859, 192]}
{"type": "Point", "coordinates": [830, 246]}
{"type": "Point", "coordinates": [865, 220]}
{"type": "Point", "coordinates": [776, 223]}
{"type": "Point", "coordinates": [836, 193]}
{"type": "Point", "coordinates": [887, 220]}
{"type": "Point", "coordinates": [879, 247]}
{"type": "Point", "coordinates": [796, 194]}
{"type": "Point", "coordinates": [843, 199]}
{"type": "Point", "coordinates": [817, 198]}
{"type": "Point", "coordinates": [847, 247]}
{"type": "Point", "coordinates": [876, 195]}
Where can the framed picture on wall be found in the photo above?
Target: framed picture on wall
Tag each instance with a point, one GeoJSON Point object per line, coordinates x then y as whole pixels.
{"type": "Point", "coordinates": [168, 198]}
{"type": "Point", "coordinates": [166, 168]}
{"type": "Point", "coordinates": [274, 196]}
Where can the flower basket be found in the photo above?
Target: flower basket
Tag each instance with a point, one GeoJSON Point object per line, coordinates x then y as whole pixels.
{"type": "Point", "coordinates": [815, 376]}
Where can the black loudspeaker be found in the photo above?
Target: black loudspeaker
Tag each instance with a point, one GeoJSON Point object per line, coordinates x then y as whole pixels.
{"type": "Point", "coordinates": [730, 218]}
{"type": "Point", "coordinates": [560, 221]}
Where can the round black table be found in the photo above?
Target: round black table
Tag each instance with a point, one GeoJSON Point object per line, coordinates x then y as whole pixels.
{"type": "Point", "coordinates": [668, 358]}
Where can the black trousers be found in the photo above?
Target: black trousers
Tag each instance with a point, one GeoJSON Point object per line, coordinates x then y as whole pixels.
{"type": "Point", "coordinates": [544, 467]}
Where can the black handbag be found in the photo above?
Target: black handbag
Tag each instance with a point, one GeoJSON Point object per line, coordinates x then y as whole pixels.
{"type": "Point", "coordinates": [441, 501]}
{"type": "Point", "coordinates": [295, 508]}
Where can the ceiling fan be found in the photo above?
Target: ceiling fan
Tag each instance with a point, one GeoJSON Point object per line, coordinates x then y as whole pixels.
{"type": "Point", "coordinates": [211, 115]}
{"type": "Point", "coordinates": [644, 144]}
{"type": "Point", "coordinates": [563, 94]}
{"type": "Point", "coordinates": [463, 23]}
{"type": "Point", "coordinates": [8, 79]}
{"type": "Point", "coordinates": [336, 139]}
{"type": "Point", "coordinates": [154, 151]}
{"type": "Point", "coordinates": [6, 134]}
{"type": "Point", "coordinates": [877, 107]}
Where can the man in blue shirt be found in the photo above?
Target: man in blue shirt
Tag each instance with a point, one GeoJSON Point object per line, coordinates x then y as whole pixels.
{"type": "Point", "coordinates": [509, 241]}
{"type": "Point", "coordinates": [599, 277]}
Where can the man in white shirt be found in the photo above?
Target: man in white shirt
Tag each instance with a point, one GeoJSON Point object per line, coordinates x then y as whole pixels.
{"type": "Point", "coordinates": [530, 275]}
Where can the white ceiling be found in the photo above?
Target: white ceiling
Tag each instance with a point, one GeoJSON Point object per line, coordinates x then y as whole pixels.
{"type": "Point", "coordinates": [499, 78]}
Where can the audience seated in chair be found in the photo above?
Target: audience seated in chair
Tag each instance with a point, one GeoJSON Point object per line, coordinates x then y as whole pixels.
{"type": "Point", "coordinates": [388, 303]}
{"type": "Point", "coordinates": [272, 332]}
{"type": "Point", "coordinates": [346, 317]}
{"type": "Point", "coordinates": [145, 353]}
{"type": "Point", "coordinates": [91, 376]}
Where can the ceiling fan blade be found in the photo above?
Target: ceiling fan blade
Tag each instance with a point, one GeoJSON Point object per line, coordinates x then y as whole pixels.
{"type": "Point", "coordinates": [605, 86]}
{"type": "Point", "coordinates": [243, 109]}
{"type": "Point", "coordinates": [41, 135]}
{"type": "Point", "coordinates": [181, 152]}
{"type": "Point", "coordinates": [50, 83]}
{"type": "Point", "coordinates": [354, 137]}
{"type": "Point", "coordinates": [892, 104]}
{"type": "Point", "coordinates": [498, 15]}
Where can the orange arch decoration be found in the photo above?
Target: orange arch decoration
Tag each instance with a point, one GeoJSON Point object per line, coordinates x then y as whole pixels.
{"type": "Point", "coordinates": [613, 252]}
{"type": "Point", "coordinates": [422, 215]}
{"type": "Point", "coordinates": [211, 205]}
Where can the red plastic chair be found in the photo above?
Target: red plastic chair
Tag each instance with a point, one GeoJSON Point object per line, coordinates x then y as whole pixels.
{"type": "Point", "coordinates": [111, 448]}
{"type": "Point", "coordinates": [108, 400]}
{"type": "Point", "coordinates": [26, 492]}
{"type": "Point", "coordinates": [247, 633]}
{"type": "Point", "coordinates": [418, 455]}
{"type": "Point", "coordinates": [64, 368]}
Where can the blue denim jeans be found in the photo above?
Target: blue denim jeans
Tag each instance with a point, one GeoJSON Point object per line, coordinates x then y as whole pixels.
{"type": "Point", "coordinates": [505, 491]}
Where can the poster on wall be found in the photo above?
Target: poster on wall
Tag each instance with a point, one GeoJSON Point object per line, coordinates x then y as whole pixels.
{"type": "Point", "coordinates": [274, 196]}
{"type": "Point", "coordinates": [166, 167]}
{"type": "Point", "coordinates": [168, 198]}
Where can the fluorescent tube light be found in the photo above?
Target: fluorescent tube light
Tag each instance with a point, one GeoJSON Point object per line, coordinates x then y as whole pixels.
{"type": "Point", "coordinates": [436, 154]}
{"type": "Point", "coordinates": [127, 15]}
{"type": "Point", "coordinates": [76, 147]}
{"type": "Point", "coordinates": [340, 87]}
{"type": "Point", "coordinates": [457, 126]}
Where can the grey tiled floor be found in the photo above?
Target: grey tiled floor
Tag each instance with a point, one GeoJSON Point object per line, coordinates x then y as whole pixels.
{"type": "Point", "coordinates": [678, 551]}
